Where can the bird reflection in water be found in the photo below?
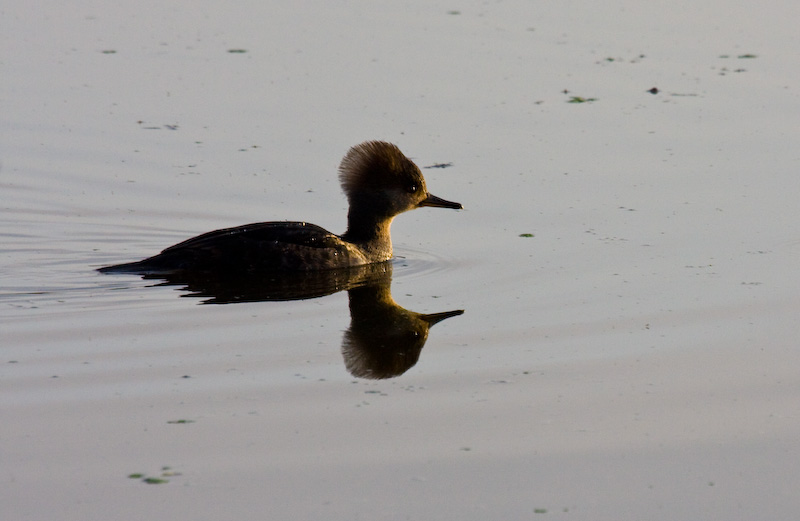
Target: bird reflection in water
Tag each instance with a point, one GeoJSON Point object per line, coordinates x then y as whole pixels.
{"type": "Point", "coordinates": [384, 340]}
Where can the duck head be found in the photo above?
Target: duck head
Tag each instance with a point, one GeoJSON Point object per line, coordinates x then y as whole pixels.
{"type": "Point", "coordinates": [379, 179]}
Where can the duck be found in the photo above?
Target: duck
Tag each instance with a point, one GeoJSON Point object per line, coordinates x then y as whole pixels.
{"type": "Point", "coordinates": [379, 181]}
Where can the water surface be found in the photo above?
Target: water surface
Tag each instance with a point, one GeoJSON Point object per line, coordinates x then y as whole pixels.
{"type": "Point", "coordinates": [627, 264]}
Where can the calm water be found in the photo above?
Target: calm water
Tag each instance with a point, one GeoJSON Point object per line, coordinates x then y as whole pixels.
{"type": "Point", "coordinates": [627, 265]}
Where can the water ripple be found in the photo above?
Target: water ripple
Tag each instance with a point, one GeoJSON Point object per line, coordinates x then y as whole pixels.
{"type": "Point", "coordinates": [411, 263]}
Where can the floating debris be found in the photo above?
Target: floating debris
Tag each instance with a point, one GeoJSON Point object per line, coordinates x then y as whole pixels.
{"type": "Point", "coordinates": [580, 99]}
{"type": "Point", "coordinates": [155, 127]}
{"type": "Point", "coordinates": [439, 165]}
{"type": "Point", "coordinates": [155, 480]}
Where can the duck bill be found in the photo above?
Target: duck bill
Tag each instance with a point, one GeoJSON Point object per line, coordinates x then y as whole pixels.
{"type": "Point", "coordinates": [438, 202]}
{"type": "Point", "coordinates": [435, 318]}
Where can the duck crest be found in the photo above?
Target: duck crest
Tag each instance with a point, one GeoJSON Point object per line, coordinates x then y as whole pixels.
{"type": "Point", "coordinates": [374, 165]}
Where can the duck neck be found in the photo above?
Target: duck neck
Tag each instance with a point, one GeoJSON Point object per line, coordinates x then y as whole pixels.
{"type": "Point", "coordinates": [370, 233]}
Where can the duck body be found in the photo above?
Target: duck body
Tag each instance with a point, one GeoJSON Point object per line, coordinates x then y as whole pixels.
{"type": "Point", "coordinates": [256, 247]}
{"type": "Point", "coordinates": [380, 183]}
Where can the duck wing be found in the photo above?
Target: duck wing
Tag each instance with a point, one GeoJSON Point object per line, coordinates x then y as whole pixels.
{"type": "Point", "coordinates": [280, 233]}
{"type": "Point", "coordinates": [251, 248]}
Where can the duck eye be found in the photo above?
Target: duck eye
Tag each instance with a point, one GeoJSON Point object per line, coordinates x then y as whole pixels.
{"type": "Point", "coordinates": [411, 189]}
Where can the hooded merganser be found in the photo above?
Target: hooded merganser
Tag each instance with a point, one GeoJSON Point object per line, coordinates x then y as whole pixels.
{"type": "Point", "coordinates": [379, 182]}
